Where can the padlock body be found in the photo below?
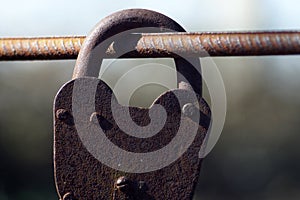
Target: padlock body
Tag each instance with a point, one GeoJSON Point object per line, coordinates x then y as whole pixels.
{"type": "Point", "coordinates": [85, 176]}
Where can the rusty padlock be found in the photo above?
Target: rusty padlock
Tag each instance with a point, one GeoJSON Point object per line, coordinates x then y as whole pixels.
{"type": "Point", "coordinates": [103, 150]}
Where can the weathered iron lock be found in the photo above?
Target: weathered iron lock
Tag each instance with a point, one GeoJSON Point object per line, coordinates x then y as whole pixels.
{"type": "Point", "coordinates": [103, 150]}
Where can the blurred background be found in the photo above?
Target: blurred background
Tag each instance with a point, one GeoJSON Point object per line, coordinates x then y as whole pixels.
{"type": "Point", "coordinates": [257, 156]}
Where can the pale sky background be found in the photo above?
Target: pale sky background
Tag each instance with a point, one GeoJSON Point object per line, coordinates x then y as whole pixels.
{"type": "Point", "coordinates": [56, 17]}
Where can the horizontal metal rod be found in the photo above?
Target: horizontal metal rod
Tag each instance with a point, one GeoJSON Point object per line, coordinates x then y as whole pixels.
{"type": "Point", "coordinates": [160, 45]}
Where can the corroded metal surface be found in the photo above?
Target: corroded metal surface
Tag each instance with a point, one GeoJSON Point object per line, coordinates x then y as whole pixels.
{"type": "Point", "coordinates": [79, 170]}
{"type": "Point", "coordinates": [44, 48]}
{"type": "Point", "coordinates": [80, 175]}
{"type": "Point", "coordinates": [160, 45]}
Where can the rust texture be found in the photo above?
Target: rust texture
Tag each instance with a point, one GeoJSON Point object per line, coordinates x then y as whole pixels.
{"type": "Point", "coordinates": [44, 48]}
{"type": "Point", "coordinates": [79, 173]}
{"type": "Point", "coordinates": [81, 176]}
{"type": "Point", "coordinates": [160, 45]}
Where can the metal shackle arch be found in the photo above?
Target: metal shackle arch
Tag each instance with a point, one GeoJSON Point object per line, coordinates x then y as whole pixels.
{"type": "Point", "coordinates": [89, 61]}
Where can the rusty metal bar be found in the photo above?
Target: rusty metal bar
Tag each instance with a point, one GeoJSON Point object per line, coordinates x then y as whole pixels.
{"type": "Point", "coordinates": [160, 45]}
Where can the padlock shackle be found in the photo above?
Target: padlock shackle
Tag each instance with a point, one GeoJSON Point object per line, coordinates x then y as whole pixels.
{"type": "Point", "coordinates": [89, 61]}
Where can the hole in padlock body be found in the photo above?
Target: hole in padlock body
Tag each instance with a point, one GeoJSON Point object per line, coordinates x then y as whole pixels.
{"type": "Point", "coordinates": [138, 82]}
{"type": "Point", "coordinates": [157, 76]}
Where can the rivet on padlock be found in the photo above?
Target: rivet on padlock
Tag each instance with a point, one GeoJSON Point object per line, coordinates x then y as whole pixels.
{"type": "Point", "coordinates": [89, 157]}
